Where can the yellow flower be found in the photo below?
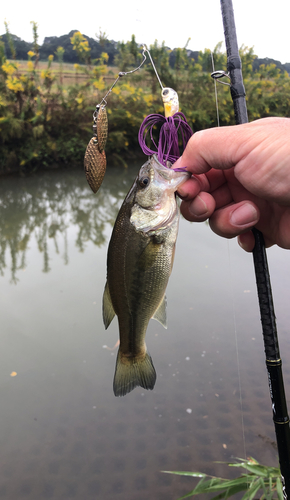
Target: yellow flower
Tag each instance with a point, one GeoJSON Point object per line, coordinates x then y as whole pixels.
{"type": "Point", "coordinates": [104, 56]}
{"type": "Point", "coordinates": [129, 87]}
{"type": "Point", "coordinates": [99, 84]}
{"type": "Point", "coordinates": [9, 67]}
{"type": "Point", "coordinates": [31, 53]}
{"type": "Point", "coordinates": [14, 84]}
{"type": "Point", "coordinates": [50, 58]}
{"type": "Point", "coordinates": [148, 99]}
{"type": "Point", "coordinates": [46, 74]}
{"type": "Point", "coordinates": [116, 91]}
{"type": "Point", "coordinates": [76, 67]}
{"type": "Point", "coordinates": [52, 145]}
{"type": "Point", "coordinates": [30, 66]}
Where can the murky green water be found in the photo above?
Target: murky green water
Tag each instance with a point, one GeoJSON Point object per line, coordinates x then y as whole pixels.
{"type": "Point", "coordinates": [63, 434]}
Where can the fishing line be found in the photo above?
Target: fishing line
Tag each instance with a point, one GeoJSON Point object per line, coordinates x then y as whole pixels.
{"type": "Point", "coordinates": [215, 91]}
{"type": "Point", "coordinates": [215, 75]}
{"type": "Point", "coordinates": [237, 351]}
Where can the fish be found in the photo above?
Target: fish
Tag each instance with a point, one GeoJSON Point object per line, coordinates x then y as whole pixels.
{"type": "Point", "coordinates": [95, 162]}
{"type": "Point", "coordinates": [170, 101]}
{"type": "Point", "coordinates": [139, 263]}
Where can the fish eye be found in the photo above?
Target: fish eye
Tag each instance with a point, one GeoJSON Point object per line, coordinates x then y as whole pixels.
{"type": "Point", "coordinates": [144, 181]}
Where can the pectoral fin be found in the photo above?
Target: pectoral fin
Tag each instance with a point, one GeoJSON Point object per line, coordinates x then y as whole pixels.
{"type": "Point", "coordinates": [160, 313]}
{"type": "Point", "coordinates": [108, 310]}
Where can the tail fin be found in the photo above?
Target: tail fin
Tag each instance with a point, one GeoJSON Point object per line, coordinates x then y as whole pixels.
{"type": "Point", "coordinates": [133, 374]}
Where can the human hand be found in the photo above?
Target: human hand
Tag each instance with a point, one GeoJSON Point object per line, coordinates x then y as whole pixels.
{"type": "Point", "coordinates": [241, 179]}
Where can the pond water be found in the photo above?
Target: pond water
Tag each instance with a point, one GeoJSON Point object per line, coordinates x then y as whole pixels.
{"type": "Point", "coordinates": [63, 434]}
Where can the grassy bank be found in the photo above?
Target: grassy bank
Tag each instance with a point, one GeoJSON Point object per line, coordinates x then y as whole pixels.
{"type": "Point", "coordinates": [46, 107]}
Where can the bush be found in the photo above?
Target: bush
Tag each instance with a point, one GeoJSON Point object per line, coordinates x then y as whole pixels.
{"type": "Point", "coordinates": [44, 122]}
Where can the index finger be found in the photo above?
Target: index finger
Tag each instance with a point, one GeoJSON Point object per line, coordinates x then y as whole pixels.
{"type": "Point", "coordinates": [224, 147]}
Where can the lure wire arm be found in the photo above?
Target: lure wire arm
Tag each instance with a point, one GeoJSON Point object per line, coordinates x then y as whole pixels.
{"type": "Point", "coordinates": [125, 73]}
{"type": "Point", "coordinates": [153, 66]}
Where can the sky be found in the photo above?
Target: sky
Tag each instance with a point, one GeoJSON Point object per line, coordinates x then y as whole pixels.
{"type": "Point", "coordinates": [261, 25]}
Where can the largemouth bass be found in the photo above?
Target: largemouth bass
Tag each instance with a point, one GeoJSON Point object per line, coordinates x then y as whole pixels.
{"type": "Point", "coordinates": [139, 263]}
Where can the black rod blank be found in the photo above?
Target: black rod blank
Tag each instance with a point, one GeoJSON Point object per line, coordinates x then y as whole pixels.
{"type": "Point", "coordinates": [270, 336]}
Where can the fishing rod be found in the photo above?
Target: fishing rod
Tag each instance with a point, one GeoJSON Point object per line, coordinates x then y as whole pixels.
{"type": "Point", "coordinates": [269, 329]}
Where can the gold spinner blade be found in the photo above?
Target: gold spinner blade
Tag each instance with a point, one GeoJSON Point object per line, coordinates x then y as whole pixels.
{"type": "Point", "coordinates": [95, 165]}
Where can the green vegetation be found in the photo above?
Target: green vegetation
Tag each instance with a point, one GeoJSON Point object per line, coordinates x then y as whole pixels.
{"type": "Point", "coordinates": [46, 121]}
{"type": "Point", "coordinates": [259, 482]}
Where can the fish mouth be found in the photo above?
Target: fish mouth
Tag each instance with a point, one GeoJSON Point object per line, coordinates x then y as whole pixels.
{"type": "Point", "coordinates": [160, 210]}
{"type": "Point", "coordinates": [172, 177]}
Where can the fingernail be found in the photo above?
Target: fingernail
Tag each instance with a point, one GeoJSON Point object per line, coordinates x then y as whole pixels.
{"type": "Point", "coordinates": [200, 207]}
{"type": "Point", "coordinates": [182, 193]}
{"type": "Point", "coordinates": [244, 215]}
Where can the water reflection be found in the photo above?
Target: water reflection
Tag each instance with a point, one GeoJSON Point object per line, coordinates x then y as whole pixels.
{"type": "Point", "coordinates": [45, 206]}
{"type": "Point", "coordinates": [63, 434]}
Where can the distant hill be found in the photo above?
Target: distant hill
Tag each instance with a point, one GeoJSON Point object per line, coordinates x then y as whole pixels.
{"type": "Point", "coordinates": [21, 47]}
{"type": "Point", "coordinates": [283, 67]}
{"type": "Point", "coordinates": [51, 43]}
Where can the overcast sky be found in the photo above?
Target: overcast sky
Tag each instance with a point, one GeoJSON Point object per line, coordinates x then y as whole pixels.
{"type": "Point", "coordinates": [262, 25]}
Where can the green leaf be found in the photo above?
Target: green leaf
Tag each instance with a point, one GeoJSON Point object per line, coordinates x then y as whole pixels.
{"type": "Point", "coordinates": [181, 473]}
{"type": "Point", "coordinates": [252, 490]}
{"type": "Point", "coordinates": [208, 486]}
{"type": "Point", "coordinates": [279, 489]}
{"type": "Point", "coordinates": [230, 483]}
{"type": "Point", "coordinates": [190, 494]}
{"type": "Point", "coordinates": [257, 469]}
{"type": "Point", "coordinates": [258, 478]}
{"type": "Point", "coordinates": [231, 491]}
{"type": "Point", "coordinates": [217, 484]}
